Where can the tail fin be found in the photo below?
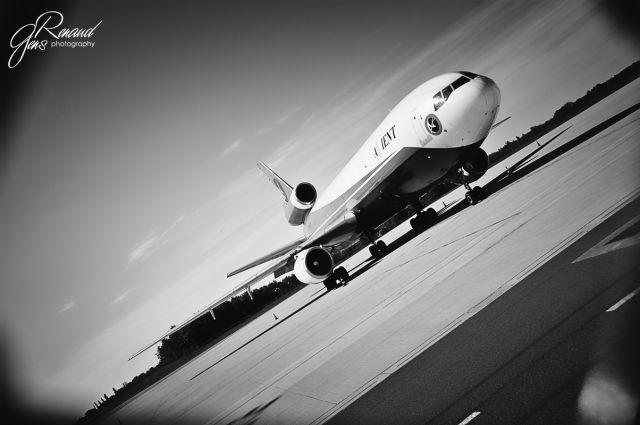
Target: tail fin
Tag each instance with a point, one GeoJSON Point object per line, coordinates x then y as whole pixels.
{"type": "Point", "coordinates": [284, 187]}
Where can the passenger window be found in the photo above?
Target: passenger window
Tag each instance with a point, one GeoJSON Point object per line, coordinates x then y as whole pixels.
{"type": "Point", "coordinates": [446, 92]}
{"type": "Point", "coordinates": [438, 101]}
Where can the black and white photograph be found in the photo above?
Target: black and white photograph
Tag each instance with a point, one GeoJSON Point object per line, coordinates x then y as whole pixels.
{"type": "Point", "coordinates": [320, 212]}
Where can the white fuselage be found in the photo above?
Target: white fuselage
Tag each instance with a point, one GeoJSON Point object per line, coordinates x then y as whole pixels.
{"type": "Point", "coordinates": [419, 121]}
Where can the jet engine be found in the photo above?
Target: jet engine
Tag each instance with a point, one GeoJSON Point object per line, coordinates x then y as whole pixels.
{"type": "Point", "coordinates": [299, 204]}
{"type": "Point", "coordinates": [473, 165]}
{"type": "Point", "coordinates": [313, 265]}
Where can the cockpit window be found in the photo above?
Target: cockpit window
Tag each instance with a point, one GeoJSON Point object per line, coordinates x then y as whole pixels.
{"type": "Point", "coordinates": [446, 92]}
{"type": "Point", "coordinates": [438, 101]}
{"type": "Point", "coordinates": [468, 74]}
{"type": "Point", "coordinates": [441, 97]}
{"type": "Point", "coordinates": [459, 82]}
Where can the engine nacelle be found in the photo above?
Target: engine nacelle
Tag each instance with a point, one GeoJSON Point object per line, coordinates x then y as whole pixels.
{"type": "Point", "coordinates": [313, 265]}
{"type": "Point", "coordinates": [300, 203]}
{"type": "Point", "coordinates": [473, 165]}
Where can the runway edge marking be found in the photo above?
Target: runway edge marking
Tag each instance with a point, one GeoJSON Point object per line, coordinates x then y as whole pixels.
{"type": "Point", "coordinates": [607, 244]}
{"type": "Point", "coordinates": [623, 300]}
{"type": "Point", "coordinates": [470, 418]}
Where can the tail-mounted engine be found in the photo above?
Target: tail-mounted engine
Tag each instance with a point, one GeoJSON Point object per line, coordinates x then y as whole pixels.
{"type": "Point", "coordinates": [298, 201]}
{"type": "Point", "coordinates": [473, 165]}
{"type": "Point", "coordinates": [313, 265]}
{"type": "Point", "coordinates": [299, 204]}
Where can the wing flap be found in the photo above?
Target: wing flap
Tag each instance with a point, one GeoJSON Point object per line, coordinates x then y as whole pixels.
{"type": "Point", "coordinates": [270, 256]}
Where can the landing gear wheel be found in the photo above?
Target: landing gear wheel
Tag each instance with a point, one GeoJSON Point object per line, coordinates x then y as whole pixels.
{"type": "Point", "coordinates": [479, 193]}
{"type": "Point", "coordinates": [330, 283]}
{"type": "Point", "coordinates": [471, 200]}
{"type": "Point", "coordinates": [431, 216]}
{"type": "Point", "coordinates": [475, 195]}
{"type": "Point", "coordinates": [341, 274]}
{"type": "Point", "coordinates": [338, 277]}
{"type": "Point", "coordinates": [424, 220]}
{"type": "Point", "coordinates": [378, 250]}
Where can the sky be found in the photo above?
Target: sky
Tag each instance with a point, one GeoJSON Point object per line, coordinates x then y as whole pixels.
{"type": "Point", "coordinates": [128, 185]}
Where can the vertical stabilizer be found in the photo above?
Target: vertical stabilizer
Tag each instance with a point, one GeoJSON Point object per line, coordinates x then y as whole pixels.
{"type": "Point", "coordinates": [284, 187]}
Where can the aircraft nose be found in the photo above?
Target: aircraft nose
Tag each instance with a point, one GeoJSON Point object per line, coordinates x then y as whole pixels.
{"type": "Point", "coordinates": [490, 92]}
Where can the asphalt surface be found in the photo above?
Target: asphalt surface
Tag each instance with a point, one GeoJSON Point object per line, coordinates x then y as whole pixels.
{"type": "Point", "coordinates": [526, 357]}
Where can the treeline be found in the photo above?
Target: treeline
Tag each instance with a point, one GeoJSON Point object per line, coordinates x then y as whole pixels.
{"type": "Point", "coordinates": [568, 111]}
{"type": "Point", "coordinates": [190, 341]}
{"type": "Point", "coordinates": [233, 312]}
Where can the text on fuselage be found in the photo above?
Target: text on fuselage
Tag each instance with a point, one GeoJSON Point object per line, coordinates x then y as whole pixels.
{"type": "Point", "coordinates": [385, 141]}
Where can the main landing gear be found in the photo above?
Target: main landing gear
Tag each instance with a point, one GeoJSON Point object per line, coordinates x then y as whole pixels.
{"type": "Point", "coordinates": [340, 276]}
{"type": "Point", "coordinates": [378, 250]}
{"type": "Point", "coordinates": [475, 195]}
{"type": "Point", "coordinates": [424, 219]}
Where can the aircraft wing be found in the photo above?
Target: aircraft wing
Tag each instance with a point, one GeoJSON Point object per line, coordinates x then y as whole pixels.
{"type": "Point", "coordinates": [243, 287]}
{"type": "Point", "coordinates": [332, 224]}
{"type": "Point", "coordinates": [324, 232]}
{"type": "Point", "coordinates": [271, 256]}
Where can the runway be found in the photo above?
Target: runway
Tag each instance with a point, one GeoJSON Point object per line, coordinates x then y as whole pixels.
{"type": "Point", "coordinates": [497, 314]}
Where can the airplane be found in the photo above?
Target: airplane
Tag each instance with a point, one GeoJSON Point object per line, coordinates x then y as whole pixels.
{"type": "Point", "coordinates": [432, 137]}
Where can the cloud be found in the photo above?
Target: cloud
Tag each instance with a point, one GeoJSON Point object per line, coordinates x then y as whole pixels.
{"type": "Point", "coordinates": [285, 117]}
{"type": "Point", "coordinates": [281, 120]}
{"type": "Point", "coordinates": [278, 121]}
{"type": "Point", "coordinates": [263, 131]}
{"type": "Point", "coordinates": [242, 184]}
{"type": "Point", "coordinates": [120, 297]}
{"type": "Point", "coordinates": [144, 249]}
{"type": "Point", "coordinates": [234, 146]}
{"type": "Point", "coordinates": [282, 153]}
{"type": "Point", "coordinates": [149, 245]}
{"type": "Point", "coordinates": [68, 306]}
